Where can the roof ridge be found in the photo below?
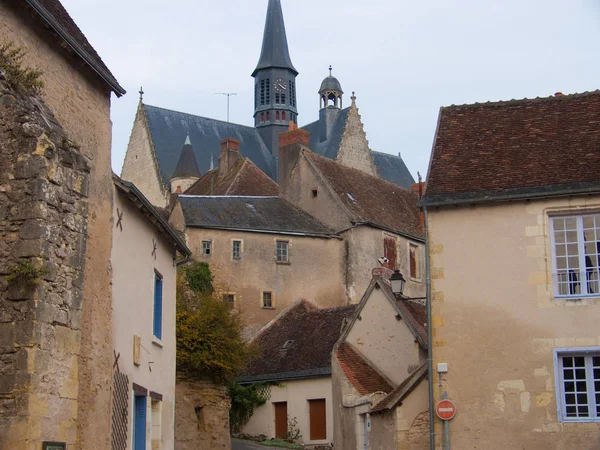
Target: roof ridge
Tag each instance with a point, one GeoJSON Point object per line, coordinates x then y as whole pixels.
{"type": "Point", "coordinates": [236, 177]}
{"type": "Point", "coordinates": [514, 101]}
{"type": "Point", "coordinates": [200, 117]}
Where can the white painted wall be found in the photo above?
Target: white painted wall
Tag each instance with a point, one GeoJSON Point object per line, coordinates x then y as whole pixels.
{"type": "Point", "coordinates": [296, 394]}
{"type": "Point", "coordinates": [133, 309]}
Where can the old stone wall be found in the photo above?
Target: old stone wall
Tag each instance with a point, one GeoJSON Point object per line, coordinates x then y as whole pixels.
{"type": "Point", "coordinates": [201, 416]}
{"type": "Point", "coordinates": [44, 183]}
{"type": "Point", "coordinates": [354, 148]}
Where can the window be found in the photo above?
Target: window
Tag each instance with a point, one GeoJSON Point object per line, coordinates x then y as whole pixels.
{"type": "Point", "coordinates": [282, 115]}
{"type": "Point", "coordinates": [578, 385]}
{"type": "Point", "coordinates": [283, 99]}
{"type": "Point", "coordinates": [282, 252]}
{"type": "Point", "coordinates": [229, 299]}
{"type": "Point", "coordinates": [206, 248]}
{"type": "Point", "coordinates": [267, 300]}
{"type": "Point", "coordinates": [262, 117]}
{"type": "Point", "coordinates": [236, 251]}
{"type": "Point", "coordinates": [277, 98]}
{"type": "Point", "coordinates": [268, 116]}
{"type": "Point", "coordinates": [267, 91]}
{"type": "Point", "coordinates": [262, 92]}
{"type": "Point", "coordinates": [292, 93]}
{"type": "Point", "coordinates": [576, 246]}
{"type": "Point", "coordinates": [277, 115]}
{"type": "Point", "coordinates": [413, 251]}
{"type": "Point", "coordinates": [158, 300]}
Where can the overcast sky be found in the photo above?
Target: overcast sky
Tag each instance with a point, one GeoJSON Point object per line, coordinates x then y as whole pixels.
{"type": "Point", "coordinates": [404, 58]}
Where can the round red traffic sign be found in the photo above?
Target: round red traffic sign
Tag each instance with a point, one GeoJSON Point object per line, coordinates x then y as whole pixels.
{"type": "Point", "coordinates": [445, 409]}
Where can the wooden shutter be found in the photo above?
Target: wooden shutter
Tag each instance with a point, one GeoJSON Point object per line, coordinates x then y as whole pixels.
{"type": "Point", "coordinates": [139, 427]}
{"type": "Point", "coordinates": [413, 261]}
{"type": "Point", "coordinates": [318, 420]}
{"type": "Point", "coordinates": [158, 307]}
{"type": "Point", "coordinates": [280, 419]}
{"type": "Point", "coordinates": [389, 251]}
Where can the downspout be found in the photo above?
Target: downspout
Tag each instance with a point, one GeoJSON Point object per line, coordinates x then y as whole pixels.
{"type": "Point", "coordinates": [429, 336]}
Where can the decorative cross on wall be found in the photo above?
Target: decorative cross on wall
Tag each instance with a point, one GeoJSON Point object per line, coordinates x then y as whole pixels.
{"type": "Point", "coordinates": [116, 364]}
{"type": "Point", "coordinates": [155, 244]}
{"type": "Point", "coordinates": [120, 219]}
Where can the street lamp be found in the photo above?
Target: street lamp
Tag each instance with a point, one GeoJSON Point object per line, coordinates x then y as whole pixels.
{"type": "Point", "coordinates": [397, 281]}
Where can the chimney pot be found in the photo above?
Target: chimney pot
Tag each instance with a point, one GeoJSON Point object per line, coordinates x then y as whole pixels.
{"type": "Point", "coordinates": [230, 144]}
{"type": "Point", "coordinates": [297, 136]}
{"type": "Point", "coordinates": [558, 94]}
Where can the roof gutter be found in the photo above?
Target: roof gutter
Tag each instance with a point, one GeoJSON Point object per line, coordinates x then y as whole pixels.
{"type": "Point", "coordinates": [429, 335]}
{"type": "Point", "coordinates": [381, 227]}
{"type": "Point", "coordinates": [83, 54]}
{"type": "Point", "coordinates": [250, 230]}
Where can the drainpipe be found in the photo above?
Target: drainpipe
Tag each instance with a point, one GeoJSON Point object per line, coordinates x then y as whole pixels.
{"type": "Point", "coordinates": [429, 336]}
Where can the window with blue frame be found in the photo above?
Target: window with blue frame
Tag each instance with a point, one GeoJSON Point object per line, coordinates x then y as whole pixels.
{"type": "Point", "coordinates": [158, 301]}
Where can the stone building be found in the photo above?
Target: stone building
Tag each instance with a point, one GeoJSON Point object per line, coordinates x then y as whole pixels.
{"type": "Point", "coordinates": [295, 354]}
{"type": "Point", "coordinates": [155, 144]}
{"type": "Point", "coordinates": [145, 254]}
{"type": "Point", "coordinates": [56, 202]}
{"type": "Point", "coordinates": [379, 373]}
{"type": "Point", "coordinates": [512, 202]}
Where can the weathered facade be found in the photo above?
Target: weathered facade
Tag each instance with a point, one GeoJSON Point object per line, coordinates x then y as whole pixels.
{"type": "Point", "coordinates": [64, 327]}
{"type": "Point", "coordinates": [514, 269]}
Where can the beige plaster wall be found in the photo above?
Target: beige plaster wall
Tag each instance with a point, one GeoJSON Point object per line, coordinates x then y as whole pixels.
{"type": "Point", "coordinates": [346, 421]}
{"type": "Point", "coordinates": [183, 183]}
{"type": "Point", "coordinates": [133, 311]}
{"type": "Point", "coordinates": [496, 323]}
{"type": "Point", "coordinates": [296, 394]}
{"type": "Point", "coordinates": [140, 165]}
{"type": "Point", "coordinates": [81, 103]}
{"type": "Point", "coordinates": [315, 273]}
{"type": "Point", "coordinates": [384, 340]}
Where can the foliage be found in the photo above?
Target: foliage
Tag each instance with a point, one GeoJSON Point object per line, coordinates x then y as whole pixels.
{"type": "Point", "coordinates": [209, 337]}
{"type": "Point", "coordinates": [244, 400]}
{"type": "Point", "coordinates": [292, 433]}
{"type": "Point", "coordinates": [20, 77]}
{"type": "Point", "coordinates": [199, 278]}
{"type": "Point", "coordinates": [26, 272]}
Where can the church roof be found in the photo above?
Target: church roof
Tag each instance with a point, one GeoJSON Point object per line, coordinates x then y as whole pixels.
{"type": "Point", "coordinates": [389, 167]}
{"type": "Point", "coordinates": [169, 128]}
{"type": "Point", "coordinates": [244, 179]}
{"type": "Point", "coordinates": [187, 167]}
{"type": "Point", "coordinates": [275, 52]}
{"type": "Point", "coordinates": [258, 214]}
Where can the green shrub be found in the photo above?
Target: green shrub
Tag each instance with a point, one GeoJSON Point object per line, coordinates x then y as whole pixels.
{"type": "Point", "coordinates": [199, 278]}
{"type": "Point", "coordinates": [244, 400]}
{"type": "Point", "coordinates": [26, 272]}
{"type": "Point", "coordinates": [19, 76]}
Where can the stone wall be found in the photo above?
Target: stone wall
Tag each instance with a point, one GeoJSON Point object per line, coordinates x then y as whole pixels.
{"type": "Point", "coordinates": [201, 416]}
{"type": "Point", "coordinates": [354, 148]}
{"type": "Point", "coordinates": [43, 222]}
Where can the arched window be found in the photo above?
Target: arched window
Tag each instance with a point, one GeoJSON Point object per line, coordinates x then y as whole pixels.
{"type": "Point", "coordinates": [283, 115]}
{"type": "Point", "coordinates": [262, 117]}
{"type": "Point", "coordinates": [268, 116]}
{"type": "Point", "coordinates": [277, 115]}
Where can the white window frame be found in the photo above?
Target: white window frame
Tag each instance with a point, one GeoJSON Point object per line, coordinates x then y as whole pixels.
{"type": "Point", "coordinates": [582, 273]}
{"type": "Point", "coordinates": [587, 352]}
{"type": "Point", "coordinates": [262, 301]}
{"type": "Point", "coordinates": [210, 245]}
{"type": "Point", "coordinates": [287, 251]}
{"type": "Point", "coordinates": [239, 256]}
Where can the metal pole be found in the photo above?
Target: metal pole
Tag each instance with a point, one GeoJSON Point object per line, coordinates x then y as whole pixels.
{"type": "Point", "coordinates": [429, 337]}
{"type": "Point", "coordinates": [227, 94]}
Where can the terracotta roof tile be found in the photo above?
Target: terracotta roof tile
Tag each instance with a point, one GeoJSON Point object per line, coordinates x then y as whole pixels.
{"type": "Point", "coordinates": [371, 199]}
{"type": "Point", "coordinates": [359, 373]}
{"type": "Point", "coordinates": [312, 332]}
{"type": "Point", "coordinates": [417, 313]}
{"type": "Point", "coordinates": [395, 397]}
{"type": "Point", "coordinates": [529, 146]}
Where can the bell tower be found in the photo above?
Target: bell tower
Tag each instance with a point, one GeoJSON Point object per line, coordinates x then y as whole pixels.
{"type": "Point", "coordinates": [274, 82]}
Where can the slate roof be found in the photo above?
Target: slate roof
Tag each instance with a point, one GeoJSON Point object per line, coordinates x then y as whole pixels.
{"type": "Point", "coordinates": [245, 179]}
{"type": "Point", "coordinates": [260, 214]}
{"type": "Point", "coordinates": [372, 200]}
{"type": "Point", "coordinates": [402, 391]}
{"type": "Point", "coordinates": [187, 167]}
{"type": "Point", "coordinates": [392, 168]}
{"type": "Point", "coordinates": [275, 52]}
{"type": "Point", "coordinates": [331, 83]}
{"type": "Point", "coordinates": [169, 129]}
{"type": "Point", "coordinates": [313, 333]}
{"type": "Point", "coordinates": [516, 149]}
{"type": "Point", "coordinates": [359, 373]}
{"type": "Point", "coordinates": [57, 17]}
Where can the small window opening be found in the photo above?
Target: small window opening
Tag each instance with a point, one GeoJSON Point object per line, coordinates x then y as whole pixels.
{"type": "Point", "coordinates": [267, 300]}
{"type": "Point", "coordinates": [268, 116]}
{"type": "Point", "coordinates": [262, 117]}
{"type": "Point", "coordinates": [206, 248]}
{"type": "Point", "coordinates": [229, 299]}
{"type": "Point", "coordinates": [314, 192]}
{"type": "Point", "coordinates": [277, 115]}
{"type": "Point", "coordinates": [283, 115]}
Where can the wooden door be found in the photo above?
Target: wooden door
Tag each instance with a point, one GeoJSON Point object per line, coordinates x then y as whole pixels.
{"type": "Point", "coordinates": [280, 419]}
{"type": "Point", "coordinates": [318, 420]}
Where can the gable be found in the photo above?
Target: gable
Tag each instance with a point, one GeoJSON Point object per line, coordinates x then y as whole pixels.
{"type": "Point", "coordinates": [354, 148]}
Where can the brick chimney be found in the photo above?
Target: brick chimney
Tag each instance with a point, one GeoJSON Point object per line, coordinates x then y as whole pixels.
{"type": "Point", "coordinates": [291, 144]}
{"type": "Point", "coordinates": [419, 188]}
{"type": "Point", "coordinates": [230, 156]}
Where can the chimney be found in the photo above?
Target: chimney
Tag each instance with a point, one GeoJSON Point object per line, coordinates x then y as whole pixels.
{"type": "Point", "coordinates": [290, 146]}
{"type": "Point", "coordinates": [230, 155]}
{"type": "Point", "coordinates": [558, 94]}
{"type": "Point", "coordinates": [419, 188]}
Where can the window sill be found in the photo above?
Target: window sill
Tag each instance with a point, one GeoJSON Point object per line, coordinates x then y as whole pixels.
{"type": "Point", "coordinates": [267, 307]}
{"type": "Point", "coordinates": [416, 280]}
{"type": "Point", "coordinates": [283, 263]}
{"type": "Point", "coordinates": [158, 342]}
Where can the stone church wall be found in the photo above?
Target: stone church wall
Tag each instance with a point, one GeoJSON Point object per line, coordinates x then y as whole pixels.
{"type": "Point", "coordinates": [354, 148]}
{"type": "Point", "coordinates": [201, 416]}
{"type": "Point", "coordinates": [80, 101]}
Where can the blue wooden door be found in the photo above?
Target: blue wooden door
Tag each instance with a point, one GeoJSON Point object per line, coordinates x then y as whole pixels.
{"type": "Point", "coordinates": [139, 423]}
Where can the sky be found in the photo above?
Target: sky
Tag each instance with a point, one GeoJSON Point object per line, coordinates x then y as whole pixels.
{"type": "Point", "coordinates": [403, 58]}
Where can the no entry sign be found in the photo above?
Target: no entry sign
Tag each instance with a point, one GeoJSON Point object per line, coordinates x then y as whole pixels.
{"type": "Point", "coordinates": [445, 410]}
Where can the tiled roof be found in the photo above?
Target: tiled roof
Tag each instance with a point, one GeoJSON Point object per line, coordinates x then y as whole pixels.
{"type": "Point", "coordinates": [402, 391]}
{"type": "Point", "coordinates": [263, 214]}
{"type": "Point", "coordinates": [244, 179]}
{"type": "Point", "coordinates": [55, 15]}
{"type": "Point", "coordinates": [521, 148]}
{"type": "Point", "coordinates": [416, 313]}
{"type": "Point", "coordinates": [170, 128]}
{"type": "Point", "coordinates": [359, 373]}
{"type": "Point", "coordinates": [311, 334]}
{"type": "Point", "coordinates": [371, 199]}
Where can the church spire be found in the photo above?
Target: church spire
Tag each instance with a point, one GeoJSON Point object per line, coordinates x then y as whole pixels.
{"type": "Point", "coordinates": [275, 52]}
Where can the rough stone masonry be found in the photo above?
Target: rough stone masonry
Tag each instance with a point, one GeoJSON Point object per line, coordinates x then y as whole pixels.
{"type": "Point", "coordinates": [43, 223]}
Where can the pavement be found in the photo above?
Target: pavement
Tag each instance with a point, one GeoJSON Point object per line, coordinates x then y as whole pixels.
{"type": "Point", "coordinates": [236, 444]}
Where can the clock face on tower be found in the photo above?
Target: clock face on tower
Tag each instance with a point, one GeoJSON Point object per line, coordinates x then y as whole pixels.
{"type": "Point", "coordinates": [280, 85]}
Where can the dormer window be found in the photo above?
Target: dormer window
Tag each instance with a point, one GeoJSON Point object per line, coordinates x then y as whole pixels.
{"type": "Point", "coordinates": [287, 345]}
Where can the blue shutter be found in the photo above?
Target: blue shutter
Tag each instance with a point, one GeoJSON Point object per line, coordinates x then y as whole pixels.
{"type": "Point", "coordinates": [158, 307]}
{"type": "Point", "coordinates": [139, 426]}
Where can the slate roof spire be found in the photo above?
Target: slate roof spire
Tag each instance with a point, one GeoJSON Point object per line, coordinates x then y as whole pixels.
{"type": "Point", "coordinates": [275, 52]}
{"type": "Point", "coordinates": [187, 166]}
